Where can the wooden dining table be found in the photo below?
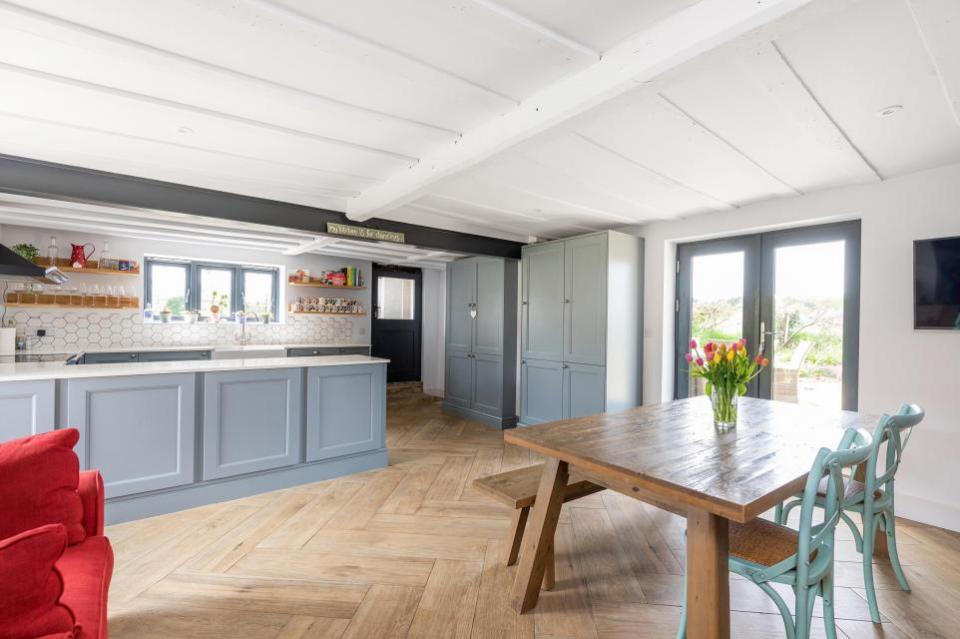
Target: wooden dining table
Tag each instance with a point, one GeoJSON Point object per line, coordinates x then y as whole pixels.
{"type": "Point", "coordinates": [670, 455]}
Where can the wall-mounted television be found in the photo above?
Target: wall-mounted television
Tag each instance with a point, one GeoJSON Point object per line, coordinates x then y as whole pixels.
{"type": "Point", "coordinates": [936, 283]}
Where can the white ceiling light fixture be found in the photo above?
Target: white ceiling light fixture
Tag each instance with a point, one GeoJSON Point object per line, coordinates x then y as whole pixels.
{"type": "Point", "coordinates": [889, 111]}
{"type": "Point", "coordinates": [185, 130]}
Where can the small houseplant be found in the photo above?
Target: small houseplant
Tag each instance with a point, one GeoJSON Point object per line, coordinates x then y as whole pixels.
{"type": "Point", "coordinates": [217, 301]}
{"type": "Point", "coordinates": [28, 252]}
{"type": "Point", "coordinates": [726, 369]}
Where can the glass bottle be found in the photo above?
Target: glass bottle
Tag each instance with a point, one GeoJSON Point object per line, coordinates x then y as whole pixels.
{"type": "Point", "coordinates": [105, 256]}
{"type": "Point", "coordinates": [52, 251]}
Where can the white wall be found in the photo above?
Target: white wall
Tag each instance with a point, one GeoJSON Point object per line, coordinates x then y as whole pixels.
{"type": "Point", "coordinates": [136, 249]}
{"type": "Point", "coordinates": [434, 329]}
{"type": "Point", "coordinates": [897, 363]}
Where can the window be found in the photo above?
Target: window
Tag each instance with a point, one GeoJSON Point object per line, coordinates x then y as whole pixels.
{"type": "Point", "coordinates": [182, 285]}
{"type": "Point", "coordinates": [396, 298]}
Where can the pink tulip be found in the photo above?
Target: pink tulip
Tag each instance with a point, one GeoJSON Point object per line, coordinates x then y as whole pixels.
{"type": "Point", "coordinates": [735, 347]}
{"type": "Point", "coordinates": [689, 358]}
{"type": "Point", "coordinates": [743, 342]}
{"type": "Point", "coordinates": [709, 347]}
{"type": "Point", "coordinates": [693, 343]}
{"type": "Point", "coordinates": [699, 361]}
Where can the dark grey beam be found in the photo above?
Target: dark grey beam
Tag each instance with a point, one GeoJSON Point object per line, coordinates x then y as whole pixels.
{"type": "Point", "coordinates": [24, 176]}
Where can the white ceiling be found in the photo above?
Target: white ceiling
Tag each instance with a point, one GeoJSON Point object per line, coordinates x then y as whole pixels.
{"type": "Point", "coordinates": [318, 101]}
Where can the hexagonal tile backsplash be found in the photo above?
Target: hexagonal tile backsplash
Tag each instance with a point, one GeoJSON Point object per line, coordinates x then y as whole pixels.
{"type": "Point", "coordinates": [72, 331]}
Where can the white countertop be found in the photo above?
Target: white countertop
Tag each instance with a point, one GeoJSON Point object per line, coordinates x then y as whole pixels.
{"type": "Point", "coordinates": [218, 347]}
{"type": "Point", "coordinates": [15, 372]}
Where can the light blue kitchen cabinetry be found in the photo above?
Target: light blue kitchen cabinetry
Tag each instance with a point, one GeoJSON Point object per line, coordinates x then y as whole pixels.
{"type": "Point", "coordinates": [481, 340]}
{"type": "Point", "coordinates": [252, 420]}
{"type": "Point", "coordinates": [139, 430]}
{"type": "Point", "coordinates": [581, 309]}
{"type": "Point", "coordinates": [26, 408]}
{"type": "Point", "coordinates": [346, 410]}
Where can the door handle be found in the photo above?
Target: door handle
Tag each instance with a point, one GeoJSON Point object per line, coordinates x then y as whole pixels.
{"type": "Point", "coordinates": [566, 366]}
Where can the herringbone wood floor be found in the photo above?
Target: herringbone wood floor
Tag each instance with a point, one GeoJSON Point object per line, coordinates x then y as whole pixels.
{"type": "Point", "coordinates": [413, 551]}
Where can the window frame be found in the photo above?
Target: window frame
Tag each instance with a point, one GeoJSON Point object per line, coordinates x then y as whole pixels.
{"type": "Point", "coordinates": [193, 292]}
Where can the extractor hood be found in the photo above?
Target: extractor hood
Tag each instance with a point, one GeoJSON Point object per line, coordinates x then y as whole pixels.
{"type": "Point", "coordinates": [14, 268]}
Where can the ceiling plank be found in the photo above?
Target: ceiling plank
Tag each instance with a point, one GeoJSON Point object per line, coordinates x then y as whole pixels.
{"type": "Point", "coordinates": [937, 22]}
{"type": "Point", "coordinates": [313, 245]}
{"type": "Point", "coordinates": [663, 46]}
{"type": "Point", "coordinates": [538, 28]}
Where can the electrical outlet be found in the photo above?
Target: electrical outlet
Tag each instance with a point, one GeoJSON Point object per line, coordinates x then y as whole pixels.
{"type": "Point", "coordinates": [41, 332]}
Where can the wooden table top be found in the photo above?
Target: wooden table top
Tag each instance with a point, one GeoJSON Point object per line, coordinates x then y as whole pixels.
{"type": "Point", "coordinates": [671, 452]}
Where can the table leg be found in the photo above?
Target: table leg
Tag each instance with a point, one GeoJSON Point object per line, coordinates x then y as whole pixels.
{"type": "Point", "coordinates": [539, 538]}
{"type": "Point", "coordinates": [708, 577]}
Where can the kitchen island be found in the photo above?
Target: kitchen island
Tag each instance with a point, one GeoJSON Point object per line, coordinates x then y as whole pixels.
{"type": "Point", "coordinates": [168, 435]}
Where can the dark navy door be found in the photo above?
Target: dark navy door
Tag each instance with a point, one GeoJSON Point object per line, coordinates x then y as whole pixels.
{"type": "Point", "coordinates": [397, 318]}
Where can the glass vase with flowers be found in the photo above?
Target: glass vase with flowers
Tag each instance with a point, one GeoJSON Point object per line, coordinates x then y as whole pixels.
{"type": "Point", "coordinates": [726, 369]}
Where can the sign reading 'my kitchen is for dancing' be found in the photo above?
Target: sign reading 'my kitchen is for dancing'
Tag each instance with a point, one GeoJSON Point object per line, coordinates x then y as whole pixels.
{"type": "Point", "coordinates": [365, 233]}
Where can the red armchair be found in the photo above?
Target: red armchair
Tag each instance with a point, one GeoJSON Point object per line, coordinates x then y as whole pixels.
{"type": "Point", "coordinates": [40, 484]}
{"type": "Point", "coordinates": [88, 566]}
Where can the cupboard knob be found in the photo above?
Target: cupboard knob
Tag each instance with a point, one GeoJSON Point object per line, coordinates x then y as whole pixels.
{"type": "Point", "coordinates": [566, 366]}
{"type": "Point", "coordinates": [566, 301]}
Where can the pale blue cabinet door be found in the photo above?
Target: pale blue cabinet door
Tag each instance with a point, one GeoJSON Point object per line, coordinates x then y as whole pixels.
{"type": "Point", "coordinates": [461, 295]}
{"type": "Point", "coordinates": [584, 390]}
{"type": "Point", "coordinates": [252, 420]}
{"type": "Point", "coordinates": [138, 431]}
{"type": "Point", "coordinates": [487, 384]}
{"type": "Point", "coordinates": [585, 295]}
{"type": "Point", "coordinates": [312, 351]}
{"type": "Point", "coordinates": [488, 324]}
{"type": "Point", "coordinates": [26, 408]}
{"type": "Point", "coordinates": [458, 389]}
{"type": "Point", "coordinates": [541, 388]}
{"type": "Point", "coordinates": [542, 302]}
{"type": "Point", "coordinates": [346, 410]}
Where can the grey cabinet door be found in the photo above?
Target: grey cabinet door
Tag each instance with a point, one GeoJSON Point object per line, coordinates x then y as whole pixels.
{"type": "Point", "coordinates": [458, 389]}
{"type": "Point", "coordinates": [488, 323]}
{"type": "Point", "coordinates": [542, 302]}
{"type": "Point", "coordinates": [346, 410]}
{"type": "Point", "coordinates": [26, 408]}
{"type": "Point", "coordinates": [252, 420]}
{"type": "Point", "coordinates": [110, 358]}
{"type": "Point", "coordinates": [461, 295]}
{"type": "Point", "coordinates": [541, 391]}
{"type": "Point", "coordinates": [585, 294]}
{"type": "Point", "coordinates": [138, 431]}
{"type": "Point", "coordinates": [354, 350]}
{"type": "Point", "coordinates": [584, 390]}
{"type": "Point", "coordinates": [487, 384]}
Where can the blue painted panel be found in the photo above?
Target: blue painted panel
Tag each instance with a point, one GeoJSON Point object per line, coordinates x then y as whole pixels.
{"type": "Point", "coordinates": [138, 431]}
{"type": "Point", "coordinates": [26, 408]}
{"type": "Point", "coordinates": [542, 309]}
{"type": "Point", "coordinates": [584, 390]}
{"type": "Point", "coordinates": [346, 410]}
{"type": "Point", "coordinates": [488, 324]}
{"type": "Point", "coordinates": [487, 384]}
{"type": "Point", "coordinates": [252, 420]}
{"type": "Point", "coordinates": [311, 351]}
{"type": "Point", "coordinates": [458, 389]}
{"type": "Point", "coordinates": [585, 295]}
{"type": "Point", "coordinates": [541, 391]}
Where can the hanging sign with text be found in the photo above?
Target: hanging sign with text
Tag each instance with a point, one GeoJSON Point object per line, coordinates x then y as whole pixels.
{"type": "Point", "coordinates": [364, 233]}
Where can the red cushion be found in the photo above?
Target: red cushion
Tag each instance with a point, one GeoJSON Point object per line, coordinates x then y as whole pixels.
{"type": "Point", "coordinates": [31, 586]}
{"type": "Point", "coordinates": [38, 484]}
{"type": "Point", "coordinates": [86, 570]}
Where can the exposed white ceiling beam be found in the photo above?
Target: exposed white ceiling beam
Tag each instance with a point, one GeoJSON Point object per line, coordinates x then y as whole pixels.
{"type": "Point", "coordinates": [318, 24]}
{"type": "Point", "coordinates": [640, 58]}
{"type": "Point", "coordinates": [312, 245]}
{"type": "Point", "coordinates": [44, 23]}
{"type": "Point", "coordinates": [538, 28]}
{"type": "Point", "coordinates": [201, 111]}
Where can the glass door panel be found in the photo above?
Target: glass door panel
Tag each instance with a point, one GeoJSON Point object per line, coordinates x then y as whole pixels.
{"type": "Point", "coordinates": [807, 343]}
{"type": "Point", "coordinates": [716, 302]}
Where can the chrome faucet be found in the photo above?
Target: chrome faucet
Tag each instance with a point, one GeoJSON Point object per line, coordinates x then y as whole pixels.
{"type": "Point", "coordinates": [242, 338]}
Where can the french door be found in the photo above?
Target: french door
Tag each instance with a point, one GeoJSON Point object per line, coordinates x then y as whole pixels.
{"type": "Point", "coordinates": [794, 294]}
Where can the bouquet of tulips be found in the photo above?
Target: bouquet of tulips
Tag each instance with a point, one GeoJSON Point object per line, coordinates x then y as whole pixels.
{"type": "Point", "coordinates": [727, 369]}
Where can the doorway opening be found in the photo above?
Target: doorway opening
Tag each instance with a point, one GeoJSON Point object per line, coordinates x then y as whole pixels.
{"type": "Point", "coordinates": [794, 294]}
{"type": "Point", "coordinates": [396, 327]}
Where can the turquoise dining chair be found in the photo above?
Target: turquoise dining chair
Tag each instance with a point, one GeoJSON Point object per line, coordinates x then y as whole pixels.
{"type": "Point", "coordinates": [873, 499]}
{"type": "Point", "coordinates": [765, 552]}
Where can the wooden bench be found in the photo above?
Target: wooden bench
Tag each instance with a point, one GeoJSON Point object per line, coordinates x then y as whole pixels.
{"type": "Point", "coordinates": [518, 490]}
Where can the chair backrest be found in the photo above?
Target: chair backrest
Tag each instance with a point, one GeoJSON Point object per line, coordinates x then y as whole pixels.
{"type": "Point", "coordinates": [890, 430]}
{"type": "Point", "coordinates": [855, 448]}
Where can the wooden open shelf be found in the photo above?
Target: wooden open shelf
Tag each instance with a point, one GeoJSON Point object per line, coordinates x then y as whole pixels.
{"type": "Point", "coordinates": [126, 306]}
{"type": "Point", "coordinates": [328, 314]}
{"type": "Point", "coordinates": [319, 285]}
{"type": "Point", "coordinates": [65, 266]}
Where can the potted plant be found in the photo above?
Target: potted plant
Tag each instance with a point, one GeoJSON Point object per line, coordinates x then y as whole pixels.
{"type": "Point", "coordinates": [165, 315]}
{"type": "Point", "coordinates": [190, 317]}
{"type": "Point", "coordinates": [28, 252]}
{"type": "Point", "coordinates": [217, 302]}
{"type": "Point", "coordinates": [727, 369]}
